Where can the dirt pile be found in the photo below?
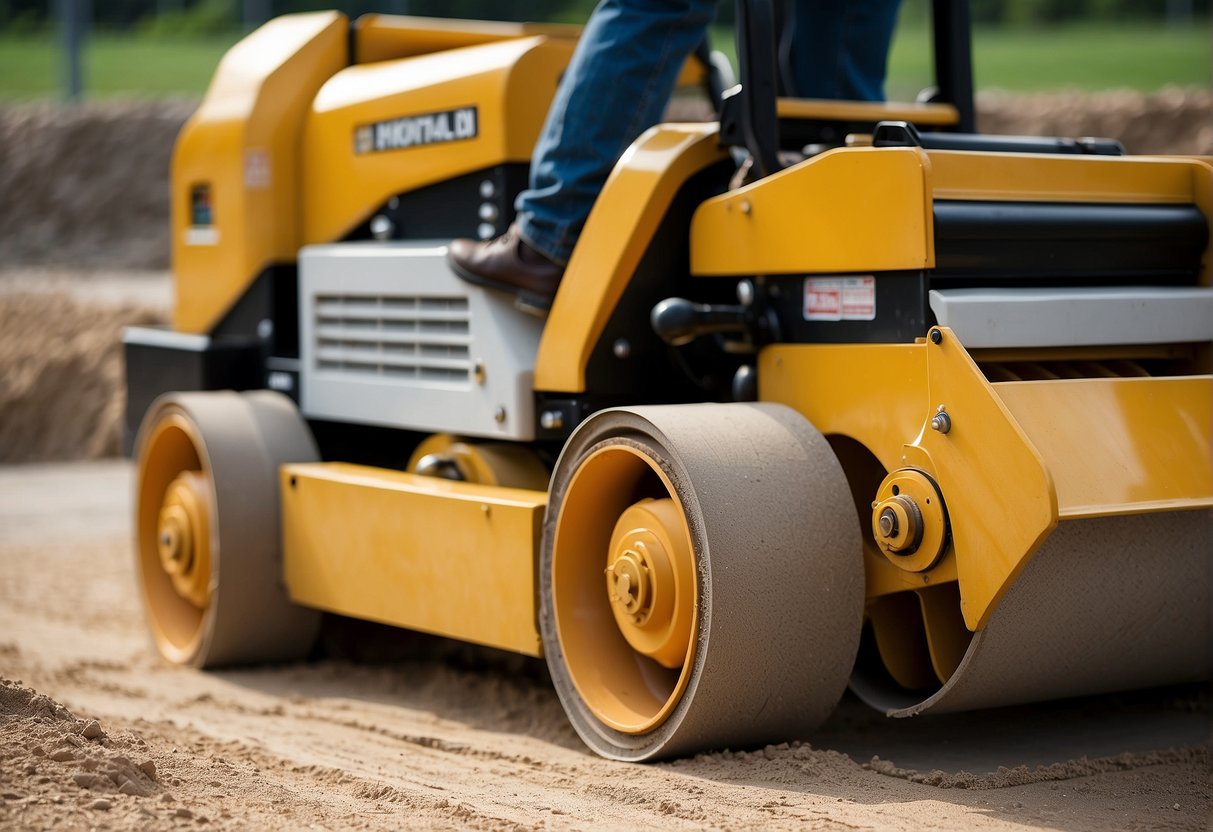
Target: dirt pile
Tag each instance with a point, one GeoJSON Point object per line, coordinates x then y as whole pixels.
{"type": "Point", "coordinates": [87, 185]}
{"type": "Point", "coordinates": [56, 767]}
{"type": "Point", "coordinates": [1173, 120]}
{"type": "Point", "coordinates": [61, 376]}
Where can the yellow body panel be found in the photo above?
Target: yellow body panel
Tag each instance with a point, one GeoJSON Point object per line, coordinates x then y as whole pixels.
{"type": "Point", "coordinates": [619, 228]}
{"type": "Point", "coordinates": [927, 115]}
{"type": "Point", "coordinates": [451, 558]}
{"type": "Point", "coordinates": [997, 521]}
{"type": "Point", "coordinates": [864, 209]}
{"type": "Point", "coordinates": [384, 37]}
{"type": "Point", "coordinates": [243, 143]}
{"type": "Point", "coordinates": [847, 210]}
{"type": "Point", "coordinates": [1120, 445]}
{"type": "Point", "coordinates": [510, 83]}
{"type": "Point", "coordinates": [1019, 458]}
{"type": "Point", "coordinates": [1063, 178]}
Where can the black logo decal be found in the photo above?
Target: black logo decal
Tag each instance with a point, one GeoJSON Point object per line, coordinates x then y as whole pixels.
{"type": "Point", "coordinates": [416, 131]}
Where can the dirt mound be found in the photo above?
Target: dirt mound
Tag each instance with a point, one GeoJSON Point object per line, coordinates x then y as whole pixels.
{"type": "Point", "coordinates": [1173, 120]}
{"type": "Point", "coordinates": [54, 766]}
{"type": "Point", "coordinates": [87, 185]}
{"type": "Point", "coordinates": [61, 376]}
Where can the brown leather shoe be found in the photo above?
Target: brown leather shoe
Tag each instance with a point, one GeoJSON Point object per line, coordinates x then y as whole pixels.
{"type": "Point", "coordinates": [510, 265]}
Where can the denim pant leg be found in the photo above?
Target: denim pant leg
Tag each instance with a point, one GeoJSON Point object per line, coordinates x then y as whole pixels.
{"type": "Point", "coordinates": [841, 49]}
{"type": "Point", "coordinates": [616, 87]}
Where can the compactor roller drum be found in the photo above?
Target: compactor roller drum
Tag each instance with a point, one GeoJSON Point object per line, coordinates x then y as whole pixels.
{"type": "Point", "coordinates": [701, 579]}
{"type": "Point", "coordinates": [206, 525]}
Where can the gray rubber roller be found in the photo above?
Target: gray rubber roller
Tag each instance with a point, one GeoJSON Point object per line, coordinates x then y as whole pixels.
{"type": "Point", "coordinates": [777, 553]}
{"type": "Point", "coordinates": [236, 443]}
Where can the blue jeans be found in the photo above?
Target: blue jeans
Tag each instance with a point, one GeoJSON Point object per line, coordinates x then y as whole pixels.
{"type": "Point", "coordinates": [623, 72]}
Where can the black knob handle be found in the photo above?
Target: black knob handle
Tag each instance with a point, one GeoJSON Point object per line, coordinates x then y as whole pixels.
{"type": "Point", "coordinates": [678, 321]}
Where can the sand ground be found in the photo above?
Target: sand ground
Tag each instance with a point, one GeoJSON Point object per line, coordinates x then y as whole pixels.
{"type": "Point", "coordinates": [385, 731]}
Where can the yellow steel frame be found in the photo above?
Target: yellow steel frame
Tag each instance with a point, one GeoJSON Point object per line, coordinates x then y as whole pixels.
{"type": "Point", "coordinates": [927, 115]}
{"type": "Point", "coordinates": [385, 37]}
{"type": "Point", "coordinates": [451, 558]}
{"type": "Point", "coordinates": [1119, 445]}
{"type": "Point", "coordinates": [617, 232]}
{"type": "Point", "coordinates": [1019, 457]}
{"type": "Point", "coordinates": [877, 217]}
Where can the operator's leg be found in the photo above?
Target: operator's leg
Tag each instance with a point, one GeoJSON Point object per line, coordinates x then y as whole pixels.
{"type": "Point", "coordinates": [841, 48]}
{"type": "Point", "coordinates": [616, 87]}
{"type": "Point", "coordinates": [617, 84]}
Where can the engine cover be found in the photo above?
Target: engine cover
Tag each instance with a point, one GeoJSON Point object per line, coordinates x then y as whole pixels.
{"type": "Point", "coordinates": [390, 336]}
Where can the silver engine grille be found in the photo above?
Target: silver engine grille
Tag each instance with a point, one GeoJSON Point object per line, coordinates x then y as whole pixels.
{"type": "Point", "coordinates": [388, 335]}
{"type": "Point", "coordinates": [408, 337]}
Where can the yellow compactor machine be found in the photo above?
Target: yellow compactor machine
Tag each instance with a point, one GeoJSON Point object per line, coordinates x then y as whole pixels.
{"type": "Point", "coordinates": [918, 411]}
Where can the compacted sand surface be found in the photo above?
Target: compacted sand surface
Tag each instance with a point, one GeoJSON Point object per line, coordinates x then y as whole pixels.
{"type": "Point", "coordinates": [383, 730]}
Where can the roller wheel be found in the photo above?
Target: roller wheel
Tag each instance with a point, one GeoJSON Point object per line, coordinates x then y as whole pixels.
{"type": "Point", "coordinates": [207, 523]}
{"type": "Point", "coordinates": [701, 579]}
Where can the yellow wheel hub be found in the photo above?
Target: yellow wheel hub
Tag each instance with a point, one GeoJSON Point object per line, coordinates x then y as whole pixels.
{"type": "Point", "coordinates": [183, 538]}
{"type": "Point", "coordinates": [625, 589]}
{"type": "Point", "coordinates": [650, 580]}
{"type": "Point", "coordinates": [909, 520]}
{"type": "Point", "coordinates": [174, 512]}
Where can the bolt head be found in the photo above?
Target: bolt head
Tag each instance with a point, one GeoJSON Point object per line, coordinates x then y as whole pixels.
{"type": "Point", "coordinates": [941, 421]}
{"type": "Point", "coordinates": [888, 523]}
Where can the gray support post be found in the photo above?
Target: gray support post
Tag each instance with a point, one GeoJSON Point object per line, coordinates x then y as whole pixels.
{"type": "Point", "coordinates": [74, 17]}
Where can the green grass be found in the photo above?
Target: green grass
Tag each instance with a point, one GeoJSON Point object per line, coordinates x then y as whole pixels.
{"type": "Point", "coordinates": [1078, 56]}
{"type": "Point", "coordinates": [1084, 56]}
{"type": "Point", "coordinates": [113, 66]}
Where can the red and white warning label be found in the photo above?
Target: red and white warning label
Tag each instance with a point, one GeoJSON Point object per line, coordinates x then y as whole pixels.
{"type": "Point", "coordinates": [840, 298]}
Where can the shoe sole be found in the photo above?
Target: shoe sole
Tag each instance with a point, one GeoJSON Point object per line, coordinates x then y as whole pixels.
{"type": "Point", "coordinates": [524, 301]}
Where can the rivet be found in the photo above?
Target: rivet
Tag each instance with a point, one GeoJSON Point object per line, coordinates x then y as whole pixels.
{"type": "Point", "coordinates": [499, 414]}
{"type": "Point", "coordinates": [936, 336]}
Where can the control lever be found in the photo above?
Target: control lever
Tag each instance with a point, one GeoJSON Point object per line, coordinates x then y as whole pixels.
{"type": "Point", "coordinates": [678, 321]}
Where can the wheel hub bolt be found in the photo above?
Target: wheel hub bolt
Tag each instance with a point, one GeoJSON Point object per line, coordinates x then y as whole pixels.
{"type": "Point", "coordinates": [888, 523]}
{"type": "Point", "coordinates": [897, 524]}
{"type": "Point", "coordinates": [630, 582]}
